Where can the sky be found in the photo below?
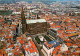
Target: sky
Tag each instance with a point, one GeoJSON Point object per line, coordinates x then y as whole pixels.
{"type": "Point", "coordinates": [67, 0]}
{"type": "Point", "coordinates": [48, 0]}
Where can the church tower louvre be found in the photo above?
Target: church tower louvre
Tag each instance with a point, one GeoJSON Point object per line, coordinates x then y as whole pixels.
{"type": "Point", "coordinates": [23, 21]}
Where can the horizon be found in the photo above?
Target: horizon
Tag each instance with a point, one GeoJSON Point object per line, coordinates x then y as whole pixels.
{"type": "Point", "coordinates": [30, 1]}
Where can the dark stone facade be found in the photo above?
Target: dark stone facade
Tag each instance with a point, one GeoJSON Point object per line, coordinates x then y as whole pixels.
{"type": "Point", "coordinates": [23, 22]}
{"type": "Point", "coordinates": [36, 28]}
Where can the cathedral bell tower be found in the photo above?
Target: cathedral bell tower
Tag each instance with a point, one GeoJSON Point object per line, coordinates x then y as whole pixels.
{"type": "Point", "coordinates": [23, 21]}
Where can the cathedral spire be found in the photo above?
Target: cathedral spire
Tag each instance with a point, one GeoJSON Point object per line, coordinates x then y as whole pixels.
{"type": "Point", "coordinates": [23, 21]}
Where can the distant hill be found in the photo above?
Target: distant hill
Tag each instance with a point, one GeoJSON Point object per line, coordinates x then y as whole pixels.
{"type": "Point", "coordinates": [45, 1]}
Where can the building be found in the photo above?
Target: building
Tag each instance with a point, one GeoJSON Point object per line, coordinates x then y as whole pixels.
{"type": "Point", "coordinates": [23, 22]}
{"type": "Point", "coordinates": [17, 13]}
{"type": "Point", "coordinates": [52, 33]}
{"type": "Point", "coordinates": [48, 47]}
{"type": "Point", "coordinates": [36, 26]}
{"type": "Point", "coordinates": [30, 49]}
{"type": "Point", "coordinates": [64, 48]}
{"type": "Point", "coordinates": [2, 7]}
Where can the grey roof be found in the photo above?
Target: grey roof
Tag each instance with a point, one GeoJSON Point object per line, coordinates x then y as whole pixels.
{"type": "Point", "coordinates": [35, 21]}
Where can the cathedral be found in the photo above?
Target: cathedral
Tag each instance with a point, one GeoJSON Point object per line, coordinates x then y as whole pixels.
{"type": "Point", "coordinates": [34, 26]}
{"type": "Point", "coordinates": [23, 21]}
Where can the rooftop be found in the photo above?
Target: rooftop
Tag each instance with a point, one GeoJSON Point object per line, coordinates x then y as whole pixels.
{"type": "Point", "coordinates": [51, 44]}
{"type": "Point", "coordinates": [35, 21]}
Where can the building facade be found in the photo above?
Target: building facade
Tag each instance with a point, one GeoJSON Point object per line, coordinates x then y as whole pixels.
{"type": "Point", "coordinates": [36, 26]}
{"type": "Point", "coordinates": [23, 22]}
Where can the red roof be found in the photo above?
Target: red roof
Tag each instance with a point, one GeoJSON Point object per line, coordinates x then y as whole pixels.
{"type": "Point", "coordinates": [58, 47]}
{"type": "Point", "coordinates": [68, 44]}
{"type": "Point", "coordinates": [68, 40]}
{"type": "Point", "coordinates": [54, 52]}
{"type": "Point", "coordinates": [15, 53]}
{"type": "Point", "coordinates": [59, 31]}
{"type": "Point", "coordinates": [21, 41]}
{"type": "Point", "coordinates": [11, 37]}
{"type": "Point", "coordinates": [1, 54]}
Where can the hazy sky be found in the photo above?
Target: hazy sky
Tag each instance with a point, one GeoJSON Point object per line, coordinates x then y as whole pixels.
{"type": "Point", "coordinates": [67, 0]}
